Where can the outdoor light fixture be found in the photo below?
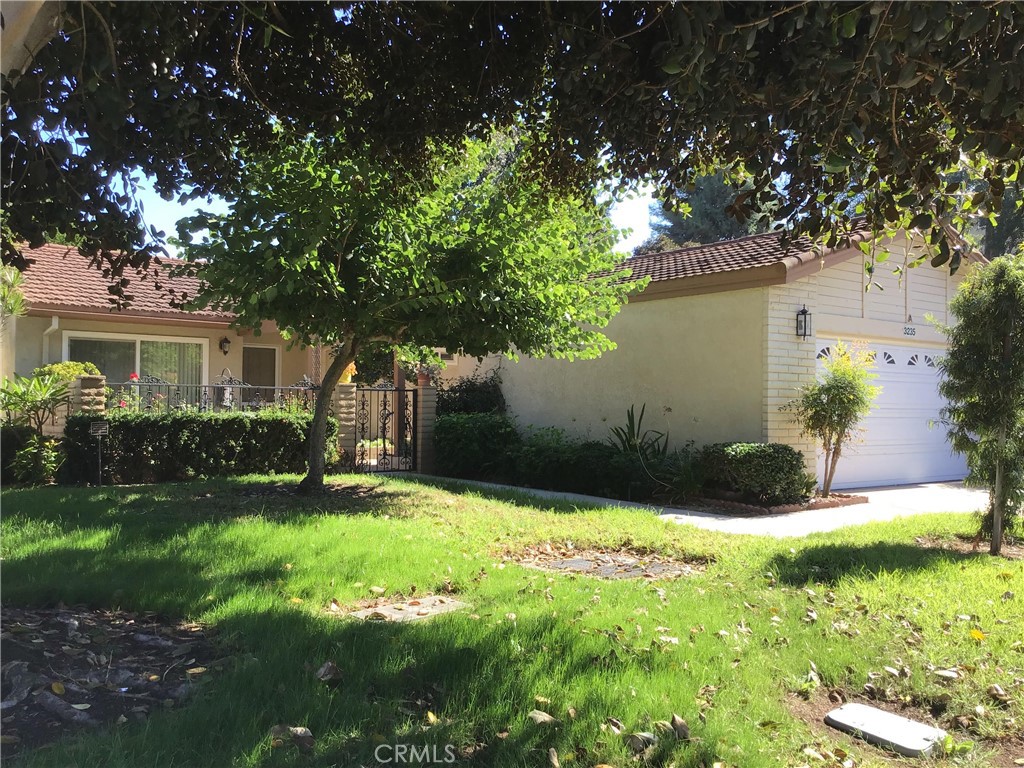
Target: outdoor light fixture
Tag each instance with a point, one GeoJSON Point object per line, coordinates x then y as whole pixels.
{"type": "Point", "coordinates": [803, 323]}
{"type": "Point", "coordinates": [225, 345]}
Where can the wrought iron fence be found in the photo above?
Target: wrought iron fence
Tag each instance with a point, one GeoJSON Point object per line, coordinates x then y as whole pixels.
{"type": "Point", "coordinates": [385, 430]}
{"type": "Point", "coordinates": [149, 393]}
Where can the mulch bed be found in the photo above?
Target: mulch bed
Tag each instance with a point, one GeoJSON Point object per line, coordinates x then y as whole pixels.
{"type": "Point", "coordinates": [733, 507]}
{"type": "Point", "coordinates": [71, 669]}
{"type": "Point", "coordinates": [607, 563]}
{"type": "Point", "coordinates": [966, 545]}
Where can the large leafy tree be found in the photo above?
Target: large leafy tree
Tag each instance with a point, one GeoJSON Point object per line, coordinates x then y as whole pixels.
{"type": "Point", "coordinates": [698, 215]}
{"type": "Point", "coordinates": [815, 104]}
{"type": "Point", "coordinates": [983, 382]}
{"type": "Point", "coordinates": [475, 254]}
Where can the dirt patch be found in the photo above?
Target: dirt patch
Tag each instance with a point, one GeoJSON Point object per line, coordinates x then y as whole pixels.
{"type": "Point", "coordinates": [70, 669]}
{"type": "Point", "coordinates": [967, 545]}
{"type": "Point", "coordinates": [734, 507]}
{"type": "Point", "coordinates": [1001, 752]}
{"type": "Point", "coordinates": [607, 563]}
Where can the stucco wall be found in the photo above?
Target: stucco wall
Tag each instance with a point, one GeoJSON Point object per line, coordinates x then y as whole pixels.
{"type": "Point", "coordinates": [695, 361]}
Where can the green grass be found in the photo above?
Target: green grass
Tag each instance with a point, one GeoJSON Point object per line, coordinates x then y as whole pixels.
{"type": "Point", "coordinates": [207, 552]}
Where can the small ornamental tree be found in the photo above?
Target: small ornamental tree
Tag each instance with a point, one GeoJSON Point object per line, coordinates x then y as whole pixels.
{"type": "Point", "coordinates": [830, 409]}
{"type": "Point", "coordinates": [481, 256]}
{"type": "Point", "coordinates": [983, 382]}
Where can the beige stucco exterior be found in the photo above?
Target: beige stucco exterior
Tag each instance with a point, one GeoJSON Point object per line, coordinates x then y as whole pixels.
{"type": "Point", "coordinates": [39, 339]}
{"type": "Point", "coordinates": [693, 361]}
{"type": "Point", "coordinates": [718, 366]}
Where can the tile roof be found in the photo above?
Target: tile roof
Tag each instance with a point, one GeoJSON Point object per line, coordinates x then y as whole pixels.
{"type": "Point", "coordinates": [727, 256]}
{"type": "Point", "coordinates": [60, 278]}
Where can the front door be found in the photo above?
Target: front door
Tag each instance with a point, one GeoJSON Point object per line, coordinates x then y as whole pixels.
{"type": "Point", "coordinates": [259, 369]}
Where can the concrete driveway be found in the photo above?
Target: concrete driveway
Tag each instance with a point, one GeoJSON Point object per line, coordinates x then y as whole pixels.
{"type": "Point", "coordinates": [883, 504]}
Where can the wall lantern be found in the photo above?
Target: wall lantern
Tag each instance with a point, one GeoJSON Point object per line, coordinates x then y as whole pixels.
{"type": "Point", "coordinates": [225, 345]}
{"type": "Point", "coordinates": [803, 323]}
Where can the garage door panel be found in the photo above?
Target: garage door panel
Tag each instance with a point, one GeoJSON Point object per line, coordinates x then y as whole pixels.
{"type": "Point", "coordinates": [902, 440]}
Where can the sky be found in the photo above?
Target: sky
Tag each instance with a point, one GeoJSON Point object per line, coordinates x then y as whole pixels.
{"type": "Point", "coordinates": [630, 213]}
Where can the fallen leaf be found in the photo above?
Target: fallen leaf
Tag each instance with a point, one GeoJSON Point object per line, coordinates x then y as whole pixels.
{"type": "Point", "coordinates": [553, 758]}
{"type": "Point", "coordinates": [996, 692]}
{"type": "Point", "coordinates": [81, 706]}
{"type": "Point", "coordinates": [543, 701]}
{"type": "Point", "coordinates": [571, 711]}
{"type": "Point", "coordinates": [615, 725]}
{"type": "Point", "coordinates": [303, 739]}
{"type": "Point", "coordinates": [296, 600]}
{"type": "Point", "coordinates": [287, 566]}
{"type": "Point", "coordinates": [8, 739]}
{"type": "Point", "coordinates": [681, 729]}
{"type": "Point", "coordinates": [335, 606]}
{"type": "Point", "coordinates": [638, 742]}
{"type": "Point", "coordinates": [541, 718]}
{"type": "Point", "coordinates": [57, 688]}
{"type": "Point", "coordinates": [431, 718]}
{"type": "Point", "coordinates": [378, 590]}
{"type": "Point", "coordinates": [977, 634]}
{"type": "Point", "coordinates": [195, 671]}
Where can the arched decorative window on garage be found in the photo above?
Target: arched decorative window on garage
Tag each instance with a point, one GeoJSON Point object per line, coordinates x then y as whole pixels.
{"type": "Point", "coordinates": [888, 359]}
{"type": "Point", "coordinates": [929, 361]}
{"type": "Point", "coordinates": [825, 353]}
{"type": "Point", "coordinates": [912, 360]}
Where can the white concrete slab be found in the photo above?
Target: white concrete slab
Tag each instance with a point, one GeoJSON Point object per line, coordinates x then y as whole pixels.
{"type": "Point", "coordinates": [887, 730]}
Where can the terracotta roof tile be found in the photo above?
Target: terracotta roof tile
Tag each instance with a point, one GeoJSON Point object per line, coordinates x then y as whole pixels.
{"type": "Point", "coordinates": [727, 256]}
{"type": "Point", "coordinates": [61, 278]}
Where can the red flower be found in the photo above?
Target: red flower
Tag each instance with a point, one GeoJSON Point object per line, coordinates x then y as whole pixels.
{"type": "Point", "coordinates": [133, 377]}
{"type": "Point", "coordinates": [122, 404]}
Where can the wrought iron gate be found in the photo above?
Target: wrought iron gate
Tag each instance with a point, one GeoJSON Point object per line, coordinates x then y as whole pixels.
{"type": "Point", "coordinates": [385, 430]}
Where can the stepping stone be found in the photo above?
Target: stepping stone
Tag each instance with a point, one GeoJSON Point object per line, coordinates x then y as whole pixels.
{"type": "Point", "coordinates": [411, 610]}
{"type": "Point", "coordinates": [884, 729]}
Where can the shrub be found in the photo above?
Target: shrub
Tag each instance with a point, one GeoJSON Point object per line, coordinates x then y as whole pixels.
{"type": "Point", "coordinates": [471, 394]}
{"type": "Point", "coordinates": [649, 444]}
{"type": "Point", "coordinates": [33, 401]}
{"type": "Point", "coordinates": [681, 475]}
{"type": "Point", "coordinates": [159, 447]}
{"type": "Point", "coordinates": [13, 438]}
{"type": "Point", "coordinates": [476, 446]}
{"type": "Point", "coordinates": [37, 461]}
{"type": "Point", "coordinates": [67, 371]}
{"type": "Point", "coordinates": [765, 473]}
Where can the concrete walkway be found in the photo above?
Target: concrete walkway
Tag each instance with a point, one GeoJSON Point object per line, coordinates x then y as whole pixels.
{"type": "Point", "coordinates": [883, 504]}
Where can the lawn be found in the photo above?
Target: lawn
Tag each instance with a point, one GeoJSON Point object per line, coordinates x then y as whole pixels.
{"type": "Point", "coordinates": [731, 648]}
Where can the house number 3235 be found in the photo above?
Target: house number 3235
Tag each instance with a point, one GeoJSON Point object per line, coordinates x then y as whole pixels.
{"type": "Point", "coordinates": [909, 330]}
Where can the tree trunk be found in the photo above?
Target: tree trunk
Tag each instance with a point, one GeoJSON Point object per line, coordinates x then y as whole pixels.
{"type": "Point", "coordinates": [998, 499]}
{"type": "Point", "coordinates": [831, 461]}
{"type": "Point", "coordinates": [314, 479]}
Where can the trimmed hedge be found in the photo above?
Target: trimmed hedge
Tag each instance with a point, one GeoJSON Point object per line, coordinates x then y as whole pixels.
{"type": "Point", "coordinates": [162, 447]}
{"type": "Point", "coordinates": [764, 473]}
{"type": "Point", "coordinates": [475, 446]}
{"type": "Point", "coordinates": [12, 439]}
{"type": "Point", "coordinates": [471, 394]}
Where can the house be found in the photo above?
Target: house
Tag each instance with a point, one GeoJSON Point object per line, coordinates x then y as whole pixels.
{"type": "Point", "coordinates": [711, 348]}
{"type": "Point", "coordinates": [70, 317]}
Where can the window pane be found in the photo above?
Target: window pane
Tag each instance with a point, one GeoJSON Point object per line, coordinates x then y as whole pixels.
{"type": "Point", "coordinates": [172, 361]}
{"type": "Point", "coordinates": [115, 359]}
{"type": "Point", "coordinates": [258, 366]}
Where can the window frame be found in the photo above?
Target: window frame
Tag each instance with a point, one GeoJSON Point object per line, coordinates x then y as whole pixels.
{"type": "Point", "coordinates": [204, 343]}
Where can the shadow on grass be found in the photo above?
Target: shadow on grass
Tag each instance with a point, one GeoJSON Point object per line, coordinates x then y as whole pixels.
{"type": "Point", "coordinates": [520, 497]}
{"type": "Point", "coordinates": [828, 563]}
{"type": "Point", "coordinates": [467, 673]}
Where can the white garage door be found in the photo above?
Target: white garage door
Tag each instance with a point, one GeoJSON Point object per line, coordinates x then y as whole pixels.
{"type": "Point", "coordinates": [902, 440]}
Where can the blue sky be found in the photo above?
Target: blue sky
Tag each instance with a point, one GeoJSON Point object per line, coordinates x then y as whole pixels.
{"type": "Point", "coordinates": [631, 214]}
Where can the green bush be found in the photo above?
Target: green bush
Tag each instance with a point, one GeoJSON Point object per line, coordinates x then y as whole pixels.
{"type": "Point", "coordinates": [67, 371]}
{"type": "Point", "coordinates": [13, 438]}
{"type": "Point", "coordinates": [471, 394]}
{"type": "Point", "coordinates": [764, 473]}
{"type": "Point", "coordinates": [159, 447]}
{"type": "Point", "coordinates": [476, 446]}
{"type": "Point", "coordinates": [681, 475]}
{"type": "Point", "coordinates": [37, 462]}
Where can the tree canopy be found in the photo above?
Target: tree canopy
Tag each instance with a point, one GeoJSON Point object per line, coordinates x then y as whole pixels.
{"type": "Point", "coordinates": [815, 104]}
{"type": "Point", "coordinates": [696, 216]}
{"type": "Point", "coordinates": [475, 254]}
